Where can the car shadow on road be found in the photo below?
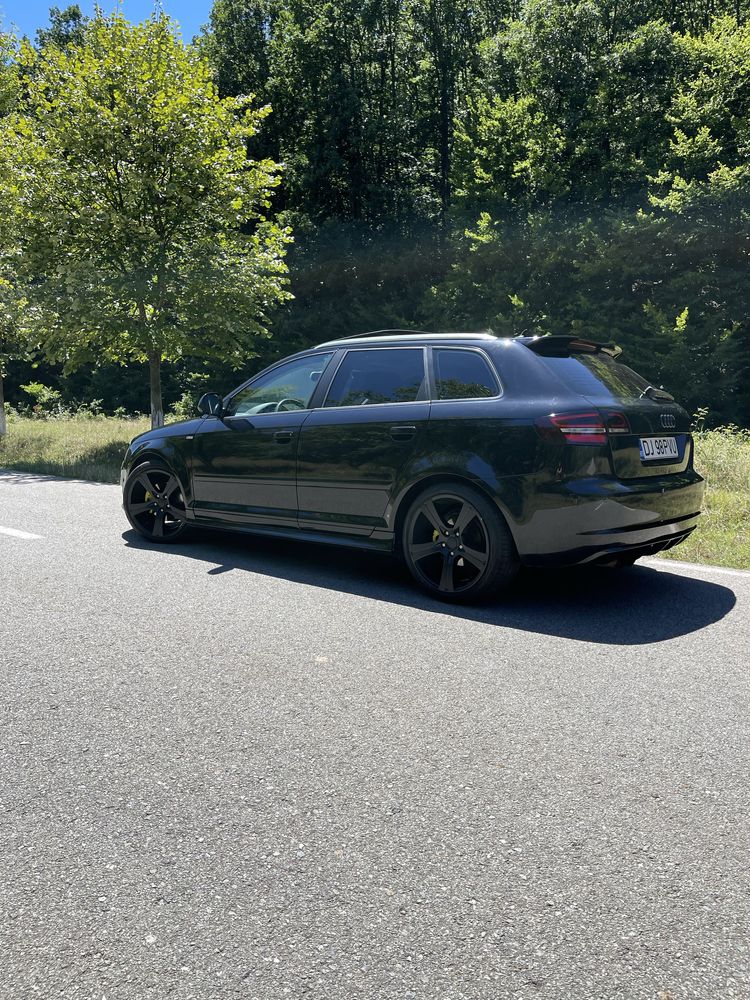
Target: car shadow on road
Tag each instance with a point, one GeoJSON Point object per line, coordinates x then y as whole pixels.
{"type": "Point", "coordinates": [629, 607]}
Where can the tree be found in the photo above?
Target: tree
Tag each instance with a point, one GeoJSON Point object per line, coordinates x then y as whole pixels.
{"type": "Point", "coordinates": [445, 35]}
{"type": "Point", "coordinates": [67, 27]}
{"type": "Point", "coordinates": [701, 199]}
{"type": "Point", "coordinates": [547, 165]}
{"type": "Point", "coordinates": [145, 236]}
{"type": "Point", "coordinates": [9, 243]}
{"type": "Point", "coordinates": [235, 41]}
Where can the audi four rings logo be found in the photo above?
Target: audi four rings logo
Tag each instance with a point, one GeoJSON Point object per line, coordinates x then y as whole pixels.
{"type": "Point", "coordinates": [668, 420]}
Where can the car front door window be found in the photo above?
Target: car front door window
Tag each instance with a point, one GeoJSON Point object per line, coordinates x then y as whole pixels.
{"type": "Point", "coordinates": [288, 387]}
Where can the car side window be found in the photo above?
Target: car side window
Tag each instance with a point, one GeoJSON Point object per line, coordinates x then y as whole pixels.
{"type": "Point", "coordinates": [463, 375]}
{"type": "Point", "coordinates": [288, 387]}
{"type": "Point", "coordinates": [382, 375]}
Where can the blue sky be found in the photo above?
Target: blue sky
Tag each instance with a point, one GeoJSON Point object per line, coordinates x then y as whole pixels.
{"type": "Point", "coordinates": [28, 15]}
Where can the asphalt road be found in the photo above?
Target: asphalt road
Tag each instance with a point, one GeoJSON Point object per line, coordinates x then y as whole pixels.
{"type": "Point", "coordinates": [243, 768]}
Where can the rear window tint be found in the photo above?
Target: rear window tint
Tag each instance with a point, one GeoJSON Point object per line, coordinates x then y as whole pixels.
{"type": "Point", "coordinates": [463, 375]}
{"type": "Point", "coordinates": [382, 375]}
{"type": "Point", "coordinates": [596, 375]}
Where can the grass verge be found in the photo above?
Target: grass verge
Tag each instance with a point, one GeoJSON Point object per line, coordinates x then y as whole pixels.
{"type": "Point", "coordinates": [75, 447]}
{"type": "Point", "coordinates": [92, 448]}
{"type": "Point", "coordinates": [722, 537]}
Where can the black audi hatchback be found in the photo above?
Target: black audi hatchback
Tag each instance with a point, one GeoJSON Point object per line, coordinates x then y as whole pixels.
{"type": "Point", "coordinates": [467, 454]}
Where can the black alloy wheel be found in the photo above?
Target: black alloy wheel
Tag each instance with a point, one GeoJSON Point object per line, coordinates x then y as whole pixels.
{"type": "Point", "coordinates": [457, 545]}
{"type": "Point", "coordinates": [154, 503]}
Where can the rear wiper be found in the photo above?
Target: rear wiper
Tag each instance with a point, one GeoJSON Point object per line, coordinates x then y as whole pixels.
{"type": "Point", "coordinates": [653, 393]}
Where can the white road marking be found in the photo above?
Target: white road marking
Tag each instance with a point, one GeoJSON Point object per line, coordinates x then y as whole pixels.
{"type": "Point", "coordinates": [15, 533]}
{"type": "Point", "coordinates": [697, 567]}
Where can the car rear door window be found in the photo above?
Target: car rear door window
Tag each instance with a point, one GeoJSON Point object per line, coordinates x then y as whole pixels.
{"type": "Point", "coordinates": [463, 375]}
{"type": "Point", "coordinates": [382, 375]}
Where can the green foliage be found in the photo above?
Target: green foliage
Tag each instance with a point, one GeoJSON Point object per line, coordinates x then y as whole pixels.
{"type": "Point", "coordinates": [699, 418]}
{"type": "Point", "coordinates": [497, 164]}
{"type": "Point", "coordinates": [71, 446]}
{"type": "Point", "coordinates": [235, 43]}
{"type": "Point", "coordinates": [537, 166]}
{"type": "Point", "coordinates": [508, 153]}
{"type": "Point", "coordinates": [45, 399]}
{"type": "Point", "coordinates": [67, 27]}
{"type": "Point", "coordinates": [145, 236]}
{"type": "Point", "coordinates": [185, 407]}
{"type": "Point", "coordinates": [722, 456]}
{"type": "Point", "coordinates": [11, 296]}
{"type": "Point", "coordinates": [195, 384]}
{"type": "Point", "coordinates": [701, 199]}
{"type": "Point", "coordinates": [9, 83]}
{"type": "Point", "coordinates": [633, 223]}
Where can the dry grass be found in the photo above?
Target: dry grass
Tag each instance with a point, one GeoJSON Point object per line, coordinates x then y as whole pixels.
{"type": "Point", "coordinates": [723, 536]}
{"type": "Point", "coordinates": [75, 447]}
{"type": "Point", "coordinates": [92, 448]}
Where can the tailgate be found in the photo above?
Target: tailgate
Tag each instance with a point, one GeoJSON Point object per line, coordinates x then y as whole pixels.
{"type": "Point", "coordinates": [658, 444]}
{"type": "Point", "coordinates": [654, 439]}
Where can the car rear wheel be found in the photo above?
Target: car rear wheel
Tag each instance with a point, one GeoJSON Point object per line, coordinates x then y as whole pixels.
{"type": "Point", "coordinates": [154, 503]}
{"type": "Point", "coordinates": [457, 545]}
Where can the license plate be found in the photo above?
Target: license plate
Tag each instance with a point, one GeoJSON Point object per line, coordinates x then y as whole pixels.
{"type": "Point", "coordinates": [653, 449]}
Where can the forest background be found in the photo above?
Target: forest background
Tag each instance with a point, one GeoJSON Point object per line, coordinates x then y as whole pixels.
{"type": "Point", "coordinates": [527, 167]}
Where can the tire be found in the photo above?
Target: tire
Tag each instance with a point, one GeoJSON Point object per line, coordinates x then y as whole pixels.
{"type": "Point", "coordinates": [456, 544]}
{"type": "Point", "coordinates": [154, 504]}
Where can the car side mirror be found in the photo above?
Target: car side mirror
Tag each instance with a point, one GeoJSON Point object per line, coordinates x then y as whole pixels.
{"type": "Point", "coordinates": [210, 404]}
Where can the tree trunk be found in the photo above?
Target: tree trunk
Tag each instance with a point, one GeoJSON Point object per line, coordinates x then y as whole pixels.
{"type": "Point", "coordinates": [3, 428]}
{"type": "Point", "coordinates": [445, 151]}
{"type": "Point", "coordinates": [157, 407]}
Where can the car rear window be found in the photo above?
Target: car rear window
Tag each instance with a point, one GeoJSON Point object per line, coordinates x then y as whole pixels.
{"type": "Point", "coordinates": [383, 375]}
{"type": "Point", "coordinates": [463, 375]}
{"type": "Point", "coordinates": [597, 374]}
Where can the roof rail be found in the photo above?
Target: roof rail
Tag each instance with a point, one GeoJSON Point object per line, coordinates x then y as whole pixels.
{"type": "Point", "coordinates": [384, 333]}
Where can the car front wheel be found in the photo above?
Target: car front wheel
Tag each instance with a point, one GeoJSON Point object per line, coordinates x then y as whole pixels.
{"type": "Point", "coordinates": [154, 503]}
{"type": "Point", "coordinates": [457, 545]}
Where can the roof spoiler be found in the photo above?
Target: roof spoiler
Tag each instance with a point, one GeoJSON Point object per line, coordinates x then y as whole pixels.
{"type": "Point", "coordinates": [556, 343]}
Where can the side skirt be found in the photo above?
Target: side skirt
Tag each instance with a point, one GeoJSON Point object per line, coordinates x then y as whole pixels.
{"type": "Point", "coordinates": [297, 534]}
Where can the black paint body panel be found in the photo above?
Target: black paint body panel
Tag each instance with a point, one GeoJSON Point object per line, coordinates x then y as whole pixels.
{"type": "Point", "coordinates": [346, 474]}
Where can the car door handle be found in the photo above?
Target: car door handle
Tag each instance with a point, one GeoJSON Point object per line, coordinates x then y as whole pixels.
{"type": "Point", "coordinates": [284, 437]}
{"type": "Point", "coordinates": [403, 432]}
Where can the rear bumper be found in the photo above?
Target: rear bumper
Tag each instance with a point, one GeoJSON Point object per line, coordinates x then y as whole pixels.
{"type": "Point", "coordinates": [586, 520]}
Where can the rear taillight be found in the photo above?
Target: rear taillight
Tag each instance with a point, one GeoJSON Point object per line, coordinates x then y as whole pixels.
{"type": "Point", "coordinates": [616, 423]}
{"type": "Point", "coordinates": [582, 428]}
